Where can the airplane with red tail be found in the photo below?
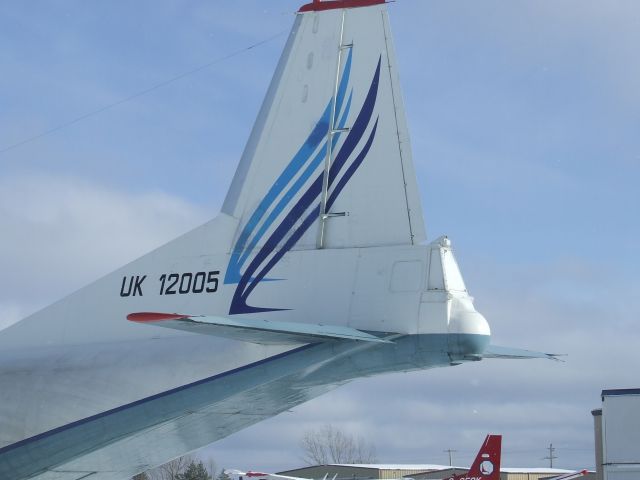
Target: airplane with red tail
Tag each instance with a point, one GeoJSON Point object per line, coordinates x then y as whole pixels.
{"type": "Point", "coordinates": [486, 466]}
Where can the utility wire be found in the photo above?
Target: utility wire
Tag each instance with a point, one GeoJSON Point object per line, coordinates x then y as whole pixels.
{"type": "Point", "coordinates": [140, 93]}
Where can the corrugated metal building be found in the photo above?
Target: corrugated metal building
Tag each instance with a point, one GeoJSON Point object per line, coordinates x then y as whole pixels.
{"type": "Point", "coordinates": [363, 471]}
{"type": "Point", "coordinates": [618, 427]}
{"type": "Point", "coordinates": [416, 472]}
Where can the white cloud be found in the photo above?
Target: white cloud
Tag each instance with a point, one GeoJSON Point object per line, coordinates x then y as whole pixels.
{"type": "Point", "coordinates": [61, 232]}
{"type": "Point", "coordinates": [10, 313]}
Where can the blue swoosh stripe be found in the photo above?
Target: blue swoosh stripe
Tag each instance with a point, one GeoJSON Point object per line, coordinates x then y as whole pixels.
{"type": "Point", "coordinates": [313, 216]}
{"type": "Point", "coordinates": [354, 136]}
{"type": "Point", "coordinates": [295, 188]}
{"type": "Point", "coordinates": [359, 126]}
{"type": "Point", "coordinates": [248, 281]}
{"type": "Point", "coordinates": [352, 168]}
{"type": "Point", "coordinates": [237, 259]}
{"type": "Point", "coordinates": [233, 270]}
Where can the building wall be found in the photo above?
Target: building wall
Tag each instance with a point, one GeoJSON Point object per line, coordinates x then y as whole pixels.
{"type": "Point", "coordinates": [398, 473]}
{"type": "Point", "coordinates": [342, 472]}
{"type": "Point", "coordinates": [621, 434]}
{"type": "Point", "coordinates": [362, 473]}
{"type": "Point", "coordinates": [597, 430]}
{"type": "Point", "coordinates": [346, 472]}
{"type": "Point", "coordinates": [439, 474]}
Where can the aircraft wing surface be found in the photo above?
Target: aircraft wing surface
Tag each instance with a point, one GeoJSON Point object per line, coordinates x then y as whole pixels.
{"type": "Point", "coordinates": [254, 330]}
{"type": "Point", "coordinates": [114, 443]}
{"type": "Point", "coordinates": [495, 351]}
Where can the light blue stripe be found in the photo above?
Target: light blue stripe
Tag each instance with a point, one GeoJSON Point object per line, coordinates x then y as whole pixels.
{"type": "Point", "coordinates": [296, 187]}
{"type": "Point", "coordinates": [241, 250]}
{"type": "Point", "coordinates": [233, 271]}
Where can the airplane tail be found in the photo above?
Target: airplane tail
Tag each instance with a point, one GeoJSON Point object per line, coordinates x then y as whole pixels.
{"type": "Point", "coordinates": [328, 163]}
{"type": "Point", "coordinates": [486, 466]}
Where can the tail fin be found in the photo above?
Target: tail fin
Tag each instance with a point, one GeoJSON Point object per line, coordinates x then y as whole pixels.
{"type": "Point", "coordinates": [486, 466]}
{"type": "Point", "coordinates": [328, 163]}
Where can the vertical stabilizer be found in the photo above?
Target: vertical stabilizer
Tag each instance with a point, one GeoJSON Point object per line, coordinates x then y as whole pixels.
{"type": "Point", "coordinates": [486, 466]}
{"type": "Point", "coordinates": [328, 163]}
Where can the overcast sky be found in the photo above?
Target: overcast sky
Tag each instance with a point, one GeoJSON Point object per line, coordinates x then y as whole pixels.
{"type": "Point", "coordinates": [525, 124]}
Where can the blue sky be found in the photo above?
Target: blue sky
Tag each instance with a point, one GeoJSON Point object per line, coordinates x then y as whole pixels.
{"type": "Point", "coordinates": [525, 121]}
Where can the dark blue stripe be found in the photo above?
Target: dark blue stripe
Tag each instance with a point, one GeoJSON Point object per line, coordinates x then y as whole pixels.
{"type": "Point", "coordinates": [318, 133]}
{"type": "Point", "coordinates": [298, 184]}
{"type": "Point", "coordinates": [295, 236]}
{"type": "Point", "coordinates": [352, 168]}
{"type": "Point", "coordinates": [245, 287]}
{"type": "Point", "coordinates": [300, 158]}
{"type": "Point", "coordinates": [359, 126]}
{"type": "Point", "coordinates": [249, 279]}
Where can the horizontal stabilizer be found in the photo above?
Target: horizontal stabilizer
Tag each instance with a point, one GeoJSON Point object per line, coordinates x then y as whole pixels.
{"type": "Point", "coordinates": [252, 330]}
{"type": "Point", "coordinates": [495, 351]}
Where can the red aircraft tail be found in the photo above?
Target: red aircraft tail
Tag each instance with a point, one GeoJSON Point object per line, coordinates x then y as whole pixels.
{"type": "Point", "coordinates": [486, 466]}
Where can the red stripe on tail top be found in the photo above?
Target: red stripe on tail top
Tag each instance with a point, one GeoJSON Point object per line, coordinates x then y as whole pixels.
{"type": "Point", "coordinates": [142, 317]}
{"type": "Point", "coordinates": [317, 5]}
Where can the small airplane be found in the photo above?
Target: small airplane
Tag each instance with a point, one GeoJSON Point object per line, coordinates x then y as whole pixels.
{"type": "Point", "coordinates": [238, 475]}
{"type": "Point", "coordinates": [486, 466]}
{"type": "Point", "coordinates": [571, 476]}
{"type": "Point", "coordinates": [315, 272]}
